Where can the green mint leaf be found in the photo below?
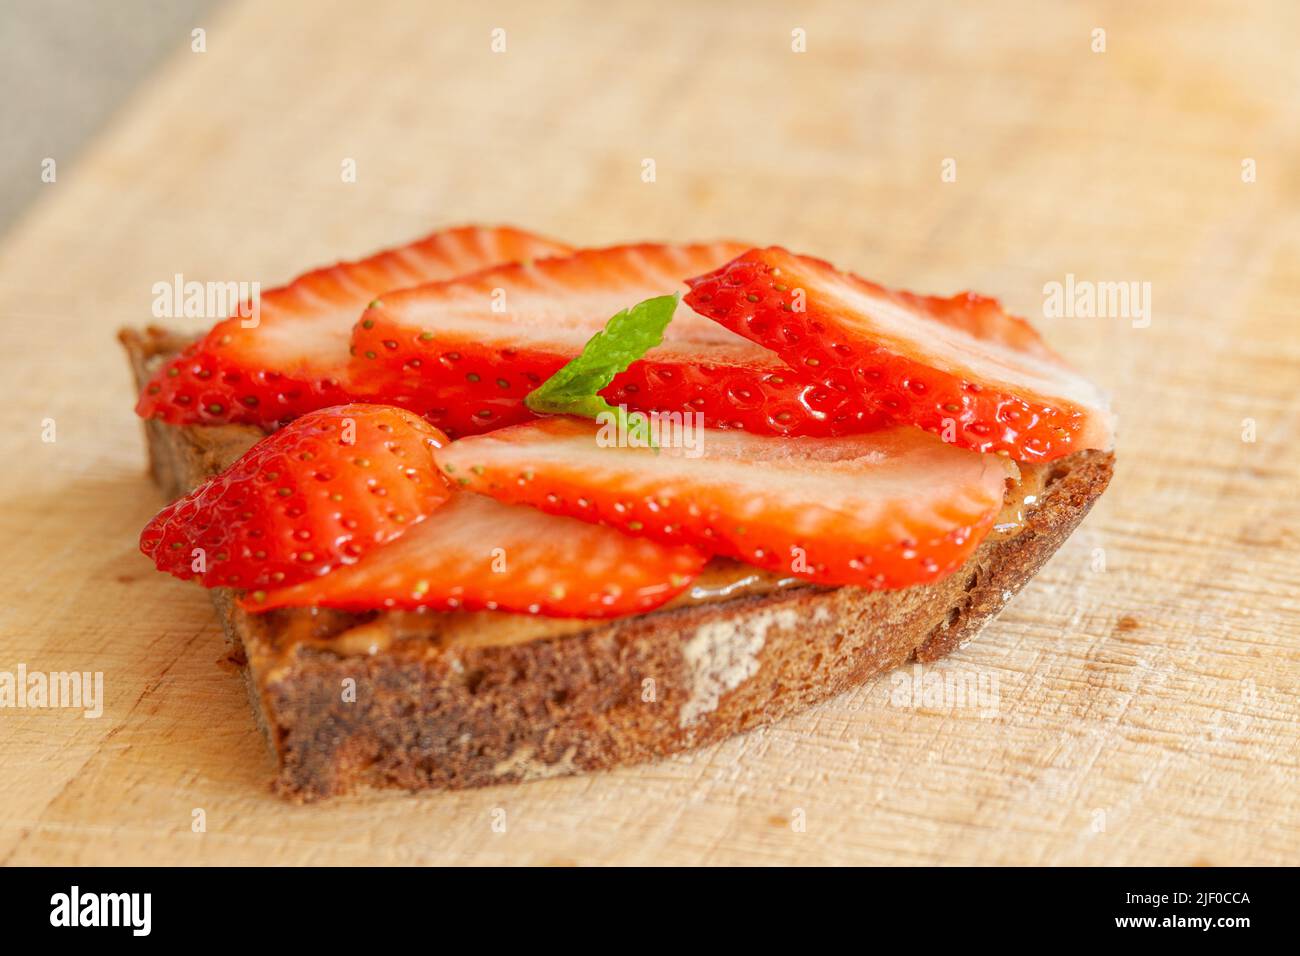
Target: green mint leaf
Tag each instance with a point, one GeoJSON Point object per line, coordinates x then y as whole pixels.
{"type": "Point", "coordinates": [624, 339]}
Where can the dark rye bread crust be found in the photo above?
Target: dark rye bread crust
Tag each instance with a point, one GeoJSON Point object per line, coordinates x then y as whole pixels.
{"type": "Point", "coordinates": [431, 713]}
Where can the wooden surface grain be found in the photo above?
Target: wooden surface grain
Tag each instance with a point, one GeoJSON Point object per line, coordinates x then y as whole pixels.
{"type": "Point", "coordinates": [1145, 707]}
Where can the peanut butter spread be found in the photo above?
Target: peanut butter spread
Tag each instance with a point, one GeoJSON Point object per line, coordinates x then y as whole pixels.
{"type": "Point", "coordinates": [1022, 497]}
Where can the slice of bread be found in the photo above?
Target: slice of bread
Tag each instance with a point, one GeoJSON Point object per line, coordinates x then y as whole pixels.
{"type": "Point", "coordinates": [445, 700]}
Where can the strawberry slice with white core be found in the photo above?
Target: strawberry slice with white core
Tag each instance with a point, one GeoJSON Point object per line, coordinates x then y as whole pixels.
{"type": "Point", "coordinates": [959, 367]}
{"type": "Point", "coordinates": [885, 510]}
{"type": "Point", "coordinates": [477, 554]}
{"type": "Point", "coordinates": [290, 356]}
{"type": "Point", "coordinates": [466, 353]}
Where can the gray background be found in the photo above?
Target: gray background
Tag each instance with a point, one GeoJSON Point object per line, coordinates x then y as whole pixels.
{"type": "Point", "coordinates": [65, 66]}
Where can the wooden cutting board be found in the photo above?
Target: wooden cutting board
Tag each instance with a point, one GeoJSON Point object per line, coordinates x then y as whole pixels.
{"type": "Point", "coordinates": [1140, 695]}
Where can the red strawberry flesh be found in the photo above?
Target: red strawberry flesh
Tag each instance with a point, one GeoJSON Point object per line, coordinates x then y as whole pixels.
{"type": "Point", "coordinates": [465, 353]}
{"type": "Point", "coordinates": [318, 494]}
{"type": "Point", "coordinates": [960, 367]}
{"type": "Point", "coordinates": [478, 554]}
{"type": "Point", "coordinates": [886, 509]}
{"type": "Point", "coordinates": [294, 359]}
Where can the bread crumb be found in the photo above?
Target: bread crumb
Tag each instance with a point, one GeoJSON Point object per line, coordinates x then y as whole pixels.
{"type": "Point", "coordinates": [521, 765]}
{"type": "Point", "coordinates": [722, 655]}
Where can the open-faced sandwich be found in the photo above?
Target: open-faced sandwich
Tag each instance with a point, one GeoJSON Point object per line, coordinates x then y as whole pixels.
{"type": "Point", "coordinates": [486, 508]}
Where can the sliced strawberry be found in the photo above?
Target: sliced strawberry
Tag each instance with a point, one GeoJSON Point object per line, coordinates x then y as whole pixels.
{"type": "Point", "coordinates": [959, 367]}
{"type": "Point", "coordinates": [295, 357]}
{"type": "Point", "coordinates": [886, 510]}
{"type": "Point", "coordinates": [320, 493]}
{"type": "Point", "coordinates": [466, 353]}
{"type": "Point", "coordinates": [478, 554]}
